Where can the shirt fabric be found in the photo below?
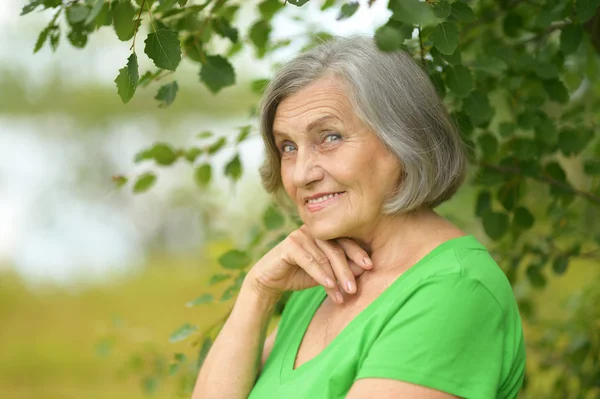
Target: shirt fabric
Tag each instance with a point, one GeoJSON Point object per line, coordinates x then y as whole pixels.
{"type": "Point", "coordinates": [450, 322]}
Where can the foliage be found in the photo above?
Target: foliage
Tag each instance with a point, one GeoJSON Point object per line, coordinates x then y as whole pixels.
{"type": "Point", "coordinates": [521, 79]}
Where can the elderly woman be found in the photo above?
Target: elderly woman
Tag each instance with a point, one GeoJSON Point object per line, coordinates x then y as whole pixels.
{"type": "Point", "coordinates": [390, 299]}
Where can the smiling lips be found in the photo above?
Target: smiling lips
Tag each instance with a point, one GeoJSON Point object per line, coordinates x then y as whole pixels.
{"type": "Point", "coordinates": [315, 204]}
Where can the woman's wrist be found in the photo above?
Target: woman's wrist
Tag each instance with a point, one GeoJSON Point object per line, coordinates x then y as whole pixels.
{"type": "Point", "coordinates": [252, 293]}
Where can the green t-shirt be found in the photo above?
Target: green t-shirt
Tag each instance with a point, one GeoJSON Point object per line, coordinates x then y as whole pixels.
{"type": "Point", "coordinates": [450, 322]}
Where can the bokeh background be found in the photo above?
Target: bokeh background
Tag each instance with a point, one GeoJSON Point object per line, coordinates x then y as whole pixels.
{"type": "Point", "coordinates": [94, 278]}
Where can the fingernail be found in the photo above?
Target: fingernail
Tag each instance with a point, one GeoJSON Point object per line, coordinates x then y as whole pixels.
{"type": "Point", "coordinates": [339, 297]}
{"type": "Point", "coordinates": [368, 262]}
{"type": "Point", "coordinates": [329, 282]}
{"type": "Point", "coordinates": [350, 287]}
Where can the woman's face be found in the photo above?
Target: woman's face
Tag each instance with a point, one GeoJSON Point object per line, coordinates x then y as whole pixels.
{"type": "Point", "coordinates": [325, 148]}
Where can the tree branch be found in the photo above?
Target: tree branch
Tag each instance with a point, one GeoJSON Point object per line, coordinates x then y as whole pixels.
{"type": "Point", "coordinates": [544, 179]}
{"type": "Point", "coordinates": [137, 25]}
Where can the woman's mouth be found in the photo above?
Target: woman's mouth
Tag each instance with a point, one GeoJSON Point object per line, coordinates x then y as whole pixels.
{"type": "Point", "coordinates": [317, 204]}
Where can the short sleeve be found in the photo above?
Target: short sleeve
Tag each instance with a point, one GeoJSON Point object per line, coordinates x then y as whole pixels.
{"type": "Point", "coordinates": [447, 336]}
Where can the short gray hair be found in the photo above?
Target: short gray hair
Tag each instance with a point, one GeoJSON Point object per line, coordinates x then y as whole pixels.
{"type": "Point", "coordinates": [393, 95]}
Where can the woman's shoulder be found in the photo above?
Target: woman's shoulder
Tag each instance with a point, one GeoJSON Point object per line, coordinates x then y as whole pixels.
{"type": "Point", "coordinates": [465, 268]}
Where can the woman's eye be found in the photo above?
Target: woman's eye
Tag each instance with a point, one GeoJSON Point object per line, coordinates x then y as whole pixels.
{"type": "Point", "coordinates": [283, 147]}
{"type": "Point", "coordinates": [336, 135]}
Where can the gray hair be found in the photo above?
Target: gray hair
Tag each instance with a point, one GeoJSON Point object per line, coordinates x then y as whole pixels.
{"type": "Point", "coordinates": [392, 94]}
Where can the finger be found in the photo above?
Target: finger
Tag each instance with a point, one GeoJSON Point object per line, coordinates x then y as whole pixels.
{"type": "Point", "coordinates": [317, 265]}
{"type": "Point", "coordinates": [356, 253]}
{"type": "Point", "coordinates": [339, 264]}
{"type": "Point", "coordinates": [355, 269]}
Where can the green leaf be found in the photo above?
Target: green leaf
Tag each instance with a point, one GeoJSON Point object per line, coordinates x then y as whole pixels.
{"type": "Point", "coordinates": [585, 9]}
{"type": "Point", "coordinates": [161, 153]}
{"type": "Point", "coordinates": [556, 90]}
{"type": "Point", "coordinates": [55, 39]}
{"type": "Point", "coordinates": [268, 8]}
{"type": "Point", "coordinates": [560, 264]}
{"type": "Point", "coordinates": [536, 278]}
{"type": "Point", "coordinates": [442, 9]}
{"type": "Point", "coordinates": [217, 73]}
{"type": "Point", "coordinates": [327, 4]}
{"type": "Point", "coordinates": [573, 141]}
{"type": "Point", "coordinates": [43, 37]}
{"type": "Point", "coordinates": [438, 82]}
{"type": "Point", "coordinates": [445, 38]}
{"type": "Point", "coordinates": [217, 278]}
{"type": "Point", "coordinates": [490, 65]}
{"type": "Point", "coordinates": [163, 48]}
{"type": "Point", "coordinates": [77, 13]}
{"type": "Point", "coordinates": [224, 29]}
{"type": "Point", "coordinates": [166, 94]}
{"type": "Point", "coordinates": [522, 218]}
{"type": "Point", "coordinates": [545, 129]}
{"type": "Point", "coordinates": [495, 224]}
{"type": "Point", "coordinates": [272, 219]}
{"type": "Point", "coordinates": [123, 15]}
{"type": "Point", "coordinates": [259, 36]}
{"type": "Point", "coordinates": [258, 86]}
{"type": "Point", "coordinates": [489, 146]}
{"type": "Point", "coordinates": [463, 122]}
{"type": "Point", "coordinates": [182, 332]}
{"type": "Point", "coordinates": [217, 145]}
{"type": "Point", "coordinates": [205, 134]}
{"type": "Point", "coordinates": [31, 6]}
{"type": "Point", "coordinates": [96, 9]}
{"type": "Point", "coordinates": [192, 153]}
{"type": "Point", "coordinates": [298, 3]}
{"type": "Point", "coordinates": [119, 180]}
{"type": "Point", "coordinates": [462, 12]}
{"type": "Point", "coordinates": [233, 168]}
{"type": "Point", "coordinates": [509, 194]}
{"type": "Point", "coordinates": [412, 12]}
{"type": "Point", "coordinates": [148, 77]}
{"type": "Point", "coordinates": [348, 10]}
{"type": "Point", "coordinates": [206, 344]}
{"type": "Point", "coordinates": [206, 298]}
{"type": "Point", "coordinates": [388, 38]}
{"type": "Point", "coordinates": [453, 59]}
{"type": "Point", "coordinates": [144, 182]}
{"type": "Point", "coordinates": [484, 203]}
{"type": "Point", "coordinates": [555, 171]}
{"type": "Point", "coordinates": [478, 107]}
{"type": "Point", "coordinates": [234, 259]}
{"type": "Point", "coordinates": [127, 79]}
{"type": "Point", "coordinates": [591, 167]}
{"type": "Point", "coordinates": [512, 24]}
{"type": "Point", "coordinates": [570, 38]}
{"type": "Point", "coordinates": [459, 80]}
{"type": "Point", "coordinates": [202, 174]}
{"type": "Point", "coordinates": [244, 133]}
{"type": "Point", "coordinates": [78, 38]}
{"type": "Point", "coordinates": [524, 148]}
{"type": "Point", "coordinates": [506, 129]}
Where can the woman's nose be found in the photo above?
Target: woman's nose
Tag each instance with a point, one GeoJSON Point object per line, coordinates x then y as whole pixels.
{"type": "Point", "coordinates": [306, 168]}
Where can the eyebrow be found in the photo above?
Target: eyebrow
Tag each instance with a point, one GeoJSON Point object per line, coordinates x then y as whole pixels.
{"type": "Point", "coordinates": [316, 123]}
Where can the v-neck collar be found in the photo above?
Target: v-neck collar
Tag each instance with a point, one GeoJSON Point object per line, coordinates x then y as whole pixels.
{"type": "Point", "coordinates": [288, 372]}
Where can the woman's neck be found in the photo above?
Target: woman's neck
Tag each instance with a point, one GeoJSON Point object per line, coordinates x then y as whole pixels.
{"type": "Point", "coordinates": [400, 241]}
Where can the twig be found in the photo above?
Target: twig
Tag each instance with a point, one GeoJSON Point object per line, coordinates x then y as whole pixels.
{"type": "Point", "coordinates": [545, 179]}
{"type": "Point", "coordinates": [137, 25]}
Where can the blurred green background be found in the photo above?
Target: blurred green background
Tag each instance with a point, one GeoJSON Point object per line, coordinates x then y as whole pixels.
{"type": "Point", "coordinates": [93, 279]}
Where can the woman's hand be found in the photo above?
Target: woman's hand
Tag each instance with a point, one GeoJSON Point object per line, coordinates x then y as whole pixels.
{"type": "Point", "coordinates": [301, 261]}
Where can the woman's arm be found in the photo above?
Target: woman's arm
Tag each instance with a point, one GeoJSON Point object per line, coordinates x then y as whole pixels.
{"type": "Point", "coordinates": [234, 360]}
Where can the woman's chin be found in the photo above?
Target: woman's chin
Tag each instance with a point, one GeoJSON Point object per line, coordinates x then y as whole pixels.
{"type": "Point", "coordinates": [324, 231]}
